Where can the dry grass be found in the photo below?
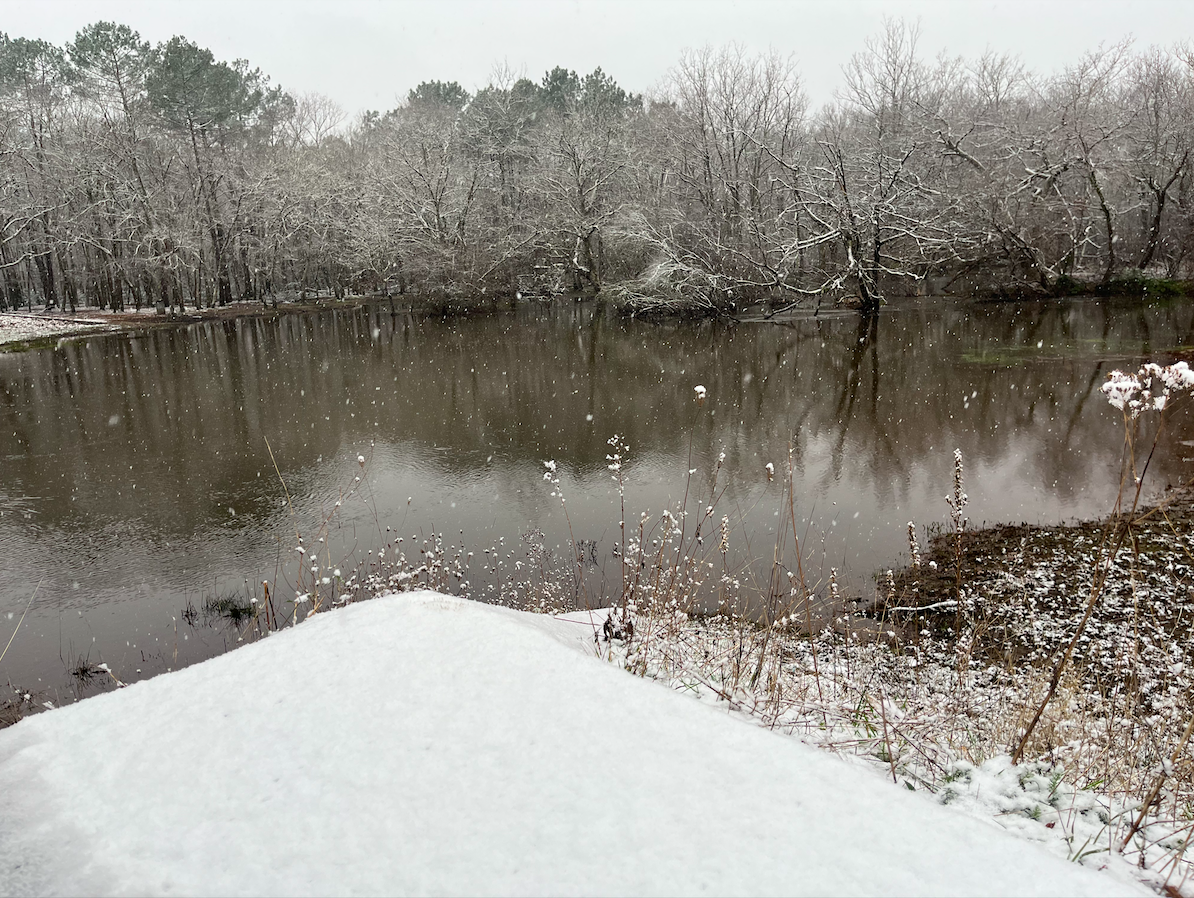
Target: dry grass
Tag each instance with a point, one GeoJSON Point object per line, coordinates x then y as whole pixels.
{"type": "Point", "coordinates": [1058, 679]}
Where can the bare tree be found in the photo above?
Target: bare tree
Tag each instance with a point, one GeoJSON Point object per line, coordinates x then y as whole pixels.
{"type": "Point", "coordinates": [734, 130]}
{"type": "Point", "coordinates": [1159, 145]}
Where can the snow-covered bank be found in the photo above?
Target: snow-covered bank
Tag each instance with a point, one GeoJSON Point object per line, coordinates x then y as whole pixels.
{"type": "Point", "coordinates": [423, 744]}
{"type": "Point", "coordinates": [23, 327]}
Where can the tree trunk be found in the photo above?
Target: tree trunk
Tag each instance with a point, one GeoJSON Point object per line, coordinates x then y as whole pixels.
{"type": "Point", "coordinates": [1108, 225]}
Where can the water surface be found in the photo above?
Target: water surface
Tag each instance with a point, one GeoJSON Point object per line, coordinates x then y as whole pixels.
{"type": "Point", "coordinates": [137, 473]}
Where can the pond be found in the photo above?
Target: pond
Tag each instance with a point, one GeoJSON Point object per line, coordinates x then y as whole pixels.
{"type": "Point", "coordinates": [145, 474]}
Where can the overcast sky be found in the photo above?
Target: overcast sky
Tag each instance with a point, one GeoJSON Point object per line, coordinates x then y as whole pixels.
{"type": "Point", "coordinates": [366, 54]}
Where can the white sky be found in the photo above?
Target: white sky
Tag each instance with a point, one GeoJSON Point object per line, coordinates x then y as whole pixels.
{"type": "Point", "coordinates": [368, 53]}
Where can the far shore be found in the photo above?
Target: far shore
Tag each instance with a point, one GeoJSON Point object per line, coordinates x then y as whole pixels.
{"type": "Point", "coordinates": [42, 328]}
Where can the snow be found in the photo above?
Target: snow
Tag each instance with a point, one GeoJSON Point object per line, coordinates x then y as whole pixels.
{"type": "Point", "coordinates": [18, 327]}
{"type": "Point", "coordinates": [1149, 389]}
{"type": "Point", "coordinates": [425, 744]}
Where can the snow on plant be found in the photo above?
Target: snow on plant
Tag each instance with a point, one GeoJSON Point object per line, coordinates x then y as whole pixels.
{"type": "Point", "coordinates": [1149, 389]}
{"type": "Point", "coordinates": [618, 450]}
{"type": "Point", "coordinates": [552, 476]}
{"type": "Point", "coordinates": [913, 546]}
{"type": "Point", "coordinates": [663, 563]}
{"type": "Point", "coordinates": [903, 708]}
{"type": "Point", "coordinates": [957, 502]}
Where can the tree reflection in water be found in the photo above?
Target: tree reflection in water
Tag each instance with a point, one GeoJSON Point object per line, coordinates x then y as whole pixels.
{"type": "Point", "coordinates": [136, 474]}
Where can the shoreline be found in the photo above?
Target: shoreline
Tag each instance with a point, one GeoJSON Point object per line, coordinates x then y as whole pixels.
{"type": "Point", "coordinates": [938, 714]}
{"type": "Point", "coordinates": [35, 330]}
{"type": "Point", "coordinates": [1024, 584]}
{"type": "Point", "coordinates": [23, 330]}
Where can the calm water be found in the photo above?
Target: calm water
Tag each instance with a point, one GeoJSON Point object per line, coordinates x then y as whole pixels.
{"type": "Point", "coordinates": [136, 475]}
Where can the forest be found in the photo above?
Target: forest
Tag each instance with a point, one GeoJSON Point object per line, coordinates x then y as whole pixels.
{"type": "Point", "coordinates": [137, 176]}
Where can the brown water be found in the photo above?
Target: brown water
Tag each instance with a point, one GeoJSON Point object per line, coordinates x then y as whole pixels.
{"type": "Point", "coordinates": [136, 475]}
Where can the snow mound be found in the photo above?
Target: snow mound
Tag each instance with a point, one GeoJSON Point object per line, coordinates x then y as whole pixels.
{"type": "Point", "coordinates": [423, 744]}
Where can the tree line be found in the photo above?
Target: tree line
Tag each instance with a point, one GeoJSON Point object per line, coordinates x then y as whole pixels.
{"type": "Point", "coordinates": [134, 175]}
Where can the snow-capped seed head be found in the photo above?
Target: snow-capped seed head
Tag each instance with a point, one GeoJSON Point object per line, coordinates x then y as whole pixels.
{"type": "Point", "coordinates": [957, 502]}
{"type": "Point", "coordinates": [1120, 388]}
{"type": "Point", "coordinates": [1178, 376]}
{"type": "Point", "coordinates": [700, 392]}
{"type": "Point", "coordinates": [300, 550]}
{"type": "Point", "coordinates": [770, 469]}
{"type": "Point", "coordinates": [1149, 389]}
{"type": "Point", "coordinates": [913, 546]}
{"type": "Point", "coordinates": [360, 459]}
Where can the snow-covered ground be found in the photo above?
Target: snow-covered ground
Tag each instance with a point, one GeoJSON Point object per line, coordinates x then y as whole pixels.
{"type": "Point", "coordinates": [18, 327]}
{"type": "Point", "coordinates": [425, 744]}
